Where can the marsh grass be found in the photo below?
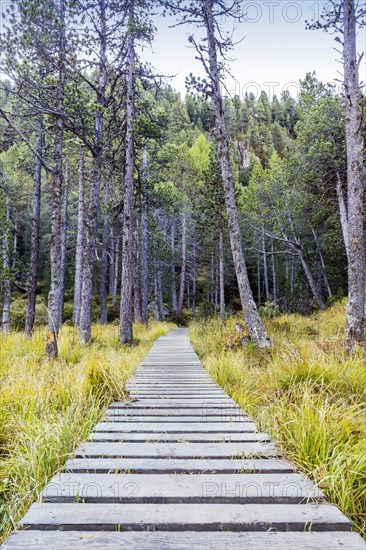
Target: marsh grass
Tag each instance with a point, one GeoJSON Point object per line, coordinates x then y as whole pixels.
{"type": "Point", "coordinates": [304, 392]}
{"type": "Point", "coordinates": [47, 407]}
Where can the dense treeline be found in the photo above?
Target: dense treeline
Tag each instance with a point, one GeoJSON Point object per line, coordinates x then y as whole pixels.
{"type": "Point", "coordinates": [120, 198]}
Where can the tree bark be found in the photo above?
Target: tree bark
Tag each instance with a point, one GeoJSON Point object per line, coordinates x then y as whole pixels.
{"type": "Point", "coordinates": [6, 266]}
{"type": "Point", "coordinates": [104, 258]}
{"type": "Point", "coordinates": [55, 242]}
{"type": "Point", "coordinates": [355, 317]}
{"type": "Point", "coordinates": [126, 336]}
{"type": "Point", "coordinates": [34, 251]}
{"type": "Point", "coordinates": [313, 287]}
{"type": "Point", "coordinates": [80, 239]}
{"type": "Point", "coordinates": [159, 293]}
{"type": "Point", "coordinates": [194, 278]}
{"type": "Point", "coordinates": [116, 271]}
{"type": "Point", "coordinates": [65, 221]}
{"type": "Point", "coordinates": [137, 285]}
{"type": "Point", "coordinates": [92, 219]}
{"type": "Point", "coordinates": [265, 268]}
{"type": "Point", "coordinates": [172, 268]}
{"type": "Point", "coordinates": [322, 263]}
{"type": "Point", "coordinates": [183, 265]}
{"type": "Point", "coordinates": [144, 254]}
{"type": "Point", "coordinates": [274, 273]}
{"type": "Point", "coordinates": [251, 316]}
{"type": "Point", "coordinates": [342, 213]}
{"type": "Point", "coordinates": [222, 274]}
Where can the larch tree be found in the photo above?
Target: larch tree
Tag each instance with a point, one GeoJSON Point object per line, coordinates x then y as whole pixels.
{"type": "Point", "coordinates": [126, 317]}
{"type": "Point", "coordinates": [208, 14]}
{"type": "Point", "coordinates": [139, 29]}
{"type": "Point", "coordinates": [342, 17]}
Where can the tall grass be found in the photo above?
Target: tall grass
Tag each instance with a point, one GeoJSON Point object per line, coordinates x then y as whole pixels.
{"type": "Point", "coordinates": [304, 392]}
{"type": "Point", "coordinates": [47, 407]}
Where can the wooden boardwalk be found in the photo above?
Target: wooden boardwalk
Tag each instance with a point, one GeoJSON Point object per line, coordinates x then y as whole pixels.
{"type": "Point", "coordinates": [180, 467]}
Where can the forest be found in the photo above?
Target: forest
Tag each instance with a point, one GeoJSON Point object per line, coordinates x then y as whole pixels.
{"type": "Point", "coordinates": [127, 208]}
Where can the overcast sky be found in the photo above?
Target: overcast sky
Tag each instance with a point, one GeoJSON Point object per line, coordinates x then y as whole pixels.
{"type": "Point", "coordinates": [276, 51]}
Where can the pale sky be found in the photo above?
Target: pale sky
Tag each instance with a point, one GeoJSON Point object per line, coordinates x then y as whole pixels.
{"type": "Point", "coordinates": [276, 52]}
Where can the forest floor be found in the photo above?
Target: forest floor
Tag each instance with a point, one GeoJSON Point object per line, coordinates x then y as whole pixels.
{"type": "Point", "coordinates": [304, 392]}
{"type": "Point", "coordinates": [48, 407]}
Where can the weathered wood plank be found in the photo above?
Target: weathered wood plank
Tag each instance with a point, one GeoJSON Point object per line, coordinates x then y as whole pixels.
{"type": "Point", "coordinates": [177, 450]}
{"type": "Point", "coordinates": [188, 540]}
{"type": "Point", "coordinates": [169, 404]}
{"type": "Point", "coordinates": [203, 411]}
{"type": "Point", "coordinates": [179, 437]}
{"type": "Point", "coordinates": [242, 488]}
{"type": "Point", "coordinates": [186, 517]}
{"type": "Point", "coordinates": [163, 465]}
{"type": "Point", "coordinates": [166, 418]}
{"type": "Point", "coordinates": [176, 427]}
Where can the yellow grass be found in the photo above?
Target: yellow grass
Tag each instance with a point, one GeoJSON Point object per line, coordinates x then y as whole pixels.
{"type": "Point", "coordinates": [48, 407]}
{"type": "Point", "coordinates": [304, 392]}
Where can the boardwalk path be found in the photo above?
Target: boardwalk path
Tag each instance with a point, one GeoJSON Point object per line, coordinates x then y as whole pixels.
{"type": "Point", "coordinates": [180, 467]}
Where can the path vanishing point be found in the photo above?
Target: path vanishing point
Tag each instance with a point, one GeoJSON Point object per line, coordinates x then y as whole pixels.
{"type": "Point", "coordinates": [180, 466]}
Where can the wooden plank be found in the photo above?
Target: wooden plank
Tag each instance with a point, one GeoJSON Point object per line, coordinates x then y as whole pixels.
{"type": "Point", "coordinates": [222, 412]}
{"type": "Point", "coordinates": [195, 384]}
{"type": "Point", "coordinates": [167, 419]}
{"type": "Point", "coordinates": [177, 450]}
{"type": "Point", "coordinates": [172, 403]}
{"type": "Point", "coordinates": [179, 437]}
{"type": "Point", "coordinates": [177, 427]}
{"type": "Point", "coordinates": [213, 394]}
{"type": "Point", "coordinates": [182, 466]}
{"type": "Point", "coordinates": [169, 404]}
{"type": "Point", "coordinates": [168, 488]}
{"type": "Point", "coordinates": [176, 396]}
{"type": "Point", "coordinates": [188, 540]}
{"type": "Point", "coordinates": [185, 517]}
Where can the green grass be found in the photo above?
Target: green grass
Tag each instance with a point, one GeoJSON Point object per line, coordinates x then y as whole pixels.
{"type": "Point", "coordinates": [47, 407]}
{"type": "Point", "coordinates": [304, 392]}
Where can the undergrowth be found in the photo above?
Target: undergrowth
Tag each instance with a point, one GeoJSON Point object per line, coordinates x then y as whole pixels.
{"type": "Point", "coordinates": [304, 392]}
{"type": "Point", "coordinates": [47, 407]}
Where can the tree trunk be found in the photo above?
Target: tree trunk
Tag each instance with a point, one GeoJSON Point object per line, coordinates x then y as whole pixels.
{"type": "Point", "coordinates": [322, 263]}
{"type": "Point", "coordinates": [342, 213]}
{"type": "Point", "coordinates": [144, 257]}
{"type": "Point", "coordinates": [137, 286]}
{"type": "Point", "coordinates": [104, 258]}
{"type": "Point", "coordinates": [274, 273]}
{"type": "Point", "coordinates": [159, 292]}
{"type": "Point", "coordinates": [173, 280]}
{"type": "Point", "coordinates": [355, 318]}
{"type": "Point", "coordinates": [313, 287]}
{"type": "Point", "coordinates": [34, 251]}
{"type": "Point", "coordinates": [212, 282]}
{"type": "Point", "coordinates": [55, 242]}
{"type": "Point", "coordinates": [112, 244]}
{"type": "Point", "coordinates": [127, 262]}
{"type": "Point", "coordinates": [65, 220]}
{"type": "Point", "coordinates": [92, 219]}
{"type": "Point", "coordinates": [222, 274]}
{"type": "Point", "coordinates": [194, 278]}
{"type": "Point", "coordinates": [183, 266]}
{"type": "Point", "coordinates": [156, 305]}
{"type": "Point", "coordinates": [265, 269]}
{"type": "Point", "coordinates": [6, 266]}
{"type": "Point", "coordinates": [116, 271]}
{"type": "Point", "coordinates": [252, 319]}
{"type": "Point", "coordinates": [80, 239]}
{"type": "Point", "coordinates": [216, 303]}
{"type": "Point", "coordinates": [259, 281]}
